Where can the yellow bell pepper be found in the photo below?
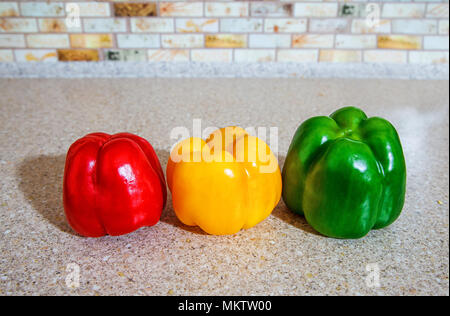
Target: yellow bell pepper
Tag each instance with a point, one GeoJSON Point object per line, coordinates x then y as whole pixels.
{"type": "Point", "coordinates": [229, 182]}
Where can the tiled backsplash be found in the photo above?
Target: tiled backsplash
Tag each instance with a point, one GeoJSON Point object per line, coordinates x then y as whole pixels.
{"type": "Point", "coordinates": [225, 31]}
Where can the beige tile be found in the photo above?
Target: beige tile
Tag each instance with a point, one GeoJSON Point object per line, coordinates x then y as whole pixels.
{"type": "Point", "coordinates": [298, 55]}
{"type": "Point", "coordinates": [42, 9]}
{"type": "Point", "coordinates": [18, 25]}
{"type": "Point", "coordinates": [340, 56]}
{"type": "Point", "coordinates": [6, 55]}
{"type": "Point", "coordinates": [269, 41]}
{"type": "Point", "coordinates": [242, 25]}
{"type": "Point", "coordinates": [8, 9]}
{"type": "Point", "coordinates": [181, 9]}
{"type": "Point", "coordinates": [444, 27]}
{"type": "Point", "coordinates": [316, 9]}
{"type": "Point", "coordinates": [174, 55]}
{"type": "Point", "coordinates": [48, 41]}
{"type": "Point", "coordinates": [399, 42]}
{"type": "Point", "coordinates": [271, 9]}
{"type": "Point", "coordinates": [414, 26]}
{"type": "Point", "coordinates": [138, 40]}
{"type": "Point", "coordinates": [56, 25]}
{"type": "Point", "coordinates": [356, 41]}
{"type": "Point", "coordinates": [386, 56]}
{"type": "Point", "coordinates": [93, 9]}
{"type": "Point", "coordinates": [197, 25]}
{"type": "Point", "coordinates": [254, 55]}
{"type": "Point", "coordinates": [226, 9]}
{"type": "Point", "coordinates": [361, 26]}
{"type": "Point", "coordinates": [212, 55]}
{"type": "Point", "coordinates": [328, 25]}
{"type": "Point", "coordinates": [438, 10]}
{"type": "Point", "coordinates": [313, 41]}
{"type": "Point", "coordinates": [226, 41]}
{"type": "Point", "coordinates": [105, 25]}
{"type": "Point", "coordinates": [182, 41]}
{"type": "Point", "coordinates": [403, 10]}
{"type": "Point", "coordinates": [152, 25]}
{"type": "Point", "coordinates": [26, 55]}
{"type": "Point", "coordinates": [416, 57]}
{"type": "Point", "coordinates": [12, 40]}
{"type": "Point", "coordinates": [91, 40]}
{"type": "Point", "coordinates": [285, 25]}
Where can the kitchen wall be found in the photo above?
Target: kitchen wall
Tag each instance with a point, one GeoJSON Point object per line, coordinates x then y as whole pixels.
{"type": "Point", "coordinates": [226, 31]}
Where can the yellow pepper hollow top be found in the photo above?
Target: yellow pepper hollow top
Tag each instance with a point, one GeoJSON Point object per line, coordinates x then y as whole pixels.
{"type": "Point", "coordinates": [228, 182]}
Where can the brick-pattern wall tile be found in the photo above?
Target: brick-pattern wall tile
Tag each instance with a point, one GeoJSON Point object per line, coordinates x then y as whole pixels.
{"type": "Point", "coordinates": [356, 41]}
{"type": "Point", "coordinates": [269, 41]}
{"type": "Point", "coordinates": [330, 26]}
{"type": "Point", "coordinates": [91, 40]}
{"type": "Point", "coordinates": [271, 9]}
{"type": "Point", "coordinates": [169, 55]}
{"type": "Point", "coordinates": [8, 9]}
{"type": "Point", "coordinates": [351, 10]}
{"type": "Point", "coordinates": [436, 42]}
{"type": "Point", "coordinates": [42, 9]}
{"type": "Point", "coordinates": [438, 10]}
{"type": "Point", "coordinates": [103, 25]}
{"type": "Point", "coordinates": [181, 9]}
{"type": "Point", "coordinates": [6, 55]}
{"type": "Point", "coordinates": [226, 41]}
{"type": "Point", "coordinates": [406, 10]}
{"type": "Point", "coordinates": [135, 9]}
{"type": "Point", "coordinates": [298, 55]}
{"type": "Point", "coordinates": [182, 41]}
{"type": "Point", "coordinates": [138, 41]}
{"type": "Point", "coordinates": [133, 55]}
{"type": "Point", "coordinates": [316, 9]}
{"type": "Point", "coordinates": [57, 25]}
{"type": "Point", "coordinates": [66, 55]}
{"type": "Point", "coordinates": [424, 57]}
{"type": "Point", "coordinates": [414, 26]}
{"type": "Point", "coordinates": [28, 55]}
{"type": "Point", "coordinates": [226, 9]}
{"type": "Point", "coordinates": [12, 40]}
{"type": "Point", "coordinates": [313, 41]}
{"type": "Point", "coordinates": [444, 27]}
{"type": "Point", "coordinates": [152, 25]}
{"type": "Point", "coordinates": [212, 55]}
{"type": "Point", "coordinates": [340, 56]}
{"type": "Point", "coordinates": [48, 41]}
{"type": "Point", "coordinates": [241, 25]}
{"type": "Point", "coordinates": [285, 25]}
{"type": "Point", "coordinates": [254, 55]}
{"type": "Point", "coordinates": [362, 27]}
{"type": "Point", "coordinates": [97, 9]}
{"type": "Point", "coordinates": [406, 31]}
{"type": "Point", "coordinates": [399, 42]}
{"type": "Point", "coordinates": [386, 56]}
{"type": "Point", "coordinates": [18, 25]}
{"type": "Point", "coordinates": [201, 25]}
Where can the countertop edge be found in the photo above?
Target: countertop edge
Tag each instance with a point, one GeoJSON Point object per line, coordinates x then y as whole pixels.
{"type": "Point", "coordinates": [223, 70]}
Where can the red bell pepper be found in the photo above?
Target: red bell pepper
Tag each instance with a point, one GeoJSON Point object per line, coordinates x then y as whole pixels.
{"type": "Point", "coordinates": [113, 185]}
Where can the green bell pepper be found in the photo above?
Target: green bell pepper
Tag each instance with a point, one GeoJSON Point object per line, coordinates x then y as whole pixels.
{"type": "Point", "coordinates": [345, 173]}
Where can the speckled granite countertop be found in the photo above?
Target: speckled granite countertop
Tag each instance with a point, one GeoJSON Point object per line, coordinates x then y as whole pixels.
{"type": "Point", "coordinates": [39, 119]}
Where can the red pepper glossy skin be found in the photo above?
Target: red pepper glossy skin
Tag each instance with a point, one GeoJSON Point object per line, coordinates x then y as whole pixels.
{"type": "Point", "coordinates": [113, 185]}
